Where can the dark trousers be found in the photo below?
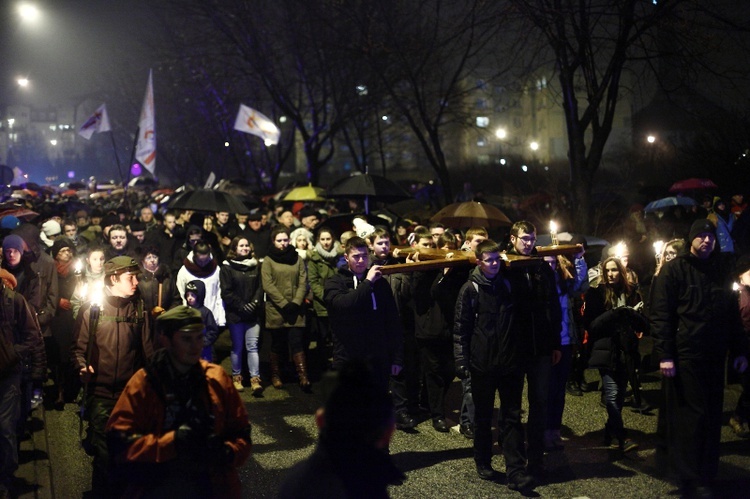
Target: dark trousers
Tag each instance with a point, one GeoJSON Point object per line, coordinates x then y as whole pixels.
{"type": "Point", "coordinates": [690, 419]}
{"type": "Point", "coordinates": [614, 385]}
{"type": "Point", "coordinates": [99, 410]}
{"type": "Point", "coordinates": [510, 389]}
{"type": "Point", "coordinates": [556, 397]}
{"type": "Point", "coordinates": [538, 373]}
{"type": "Point", "coordinates": [436, 359]}
{"type": "Point", "coordinates": [405, 386]}
{"type": "Point", "coordinates": [286, 338]}
{"type": "Point", "coordinates": [743, 403]}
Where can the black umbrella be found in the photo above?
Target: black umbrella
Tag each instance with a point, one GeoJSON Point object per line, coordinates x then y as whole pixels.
{"type": "Point", "coordinates": [367, 186]}
{"type": "Point", "coordinates": [208, 200]}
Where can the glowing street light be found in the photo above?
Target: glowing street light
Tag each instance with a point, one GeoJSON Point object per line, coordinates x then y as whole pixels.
{"type": "Point", "coordinates": [534, 145]}
{"type": "Point", "coordinates": [28, 12]}
{"type": "Point", "coordinates": [501, 133]}
{"type": "Point", "coordinates": [23, 82]}
{"type": "Point", "coordinates": [651, 139]}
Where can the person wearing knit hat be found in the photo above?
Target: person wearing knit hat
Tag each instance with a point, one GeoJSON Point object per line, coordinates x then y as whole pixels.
{"type": "Point", "coordinates": [308, 217]}
{"type": "Point", "coordinates": [694, 317]}
{"type": "Point", "coordinates": [61, 243]}
{"type": "Point", "coordinates": [50, 230]}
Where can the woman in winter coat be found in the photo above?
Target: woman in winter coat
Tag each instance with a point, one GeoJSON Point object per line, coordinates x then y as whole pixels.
{"type": "Point", "coordinates": [323, 261]}
{"type": "Point", "coordinates": [58, 358]}
{"type": "Point", "coordinates": [285, 284]}
{"type": "Point", "coordinates": [242, 292]}
{"type": "Point", "coordinates": [609, 319]}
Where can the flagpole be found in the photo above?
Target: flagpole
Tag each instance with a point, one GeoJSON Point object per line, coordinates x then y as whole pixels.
{"type": "Point", "coordinates": [114, 151]}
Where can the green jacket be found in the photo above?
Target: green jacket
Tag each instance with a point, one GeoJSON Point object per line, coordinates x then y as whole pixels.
{"type": "Point", "coordinates": [319, 269]}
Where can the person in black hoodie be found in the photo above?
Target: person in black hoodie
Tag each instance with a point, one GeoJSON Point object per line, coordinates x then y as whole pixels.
{"type": "Point", "coordinates": [195, 293]}
{"type": "Point", "coordinates": [242, 293]}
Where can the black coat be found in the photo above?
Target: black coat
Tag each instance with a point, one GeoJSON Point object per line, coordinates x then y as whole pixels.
{"type": "Point", "coordinates": [240, 285]}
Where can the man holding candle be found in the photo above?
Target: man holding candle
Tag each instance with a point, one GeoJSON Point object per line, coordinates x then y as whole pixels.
{"type": "Point", "coordinates": [110, 342]}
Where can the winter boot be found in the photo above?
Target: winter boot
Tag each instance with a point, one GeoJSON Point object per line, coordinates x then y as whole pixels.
{"type": "Point", "coordinates": [237, 382]}
{"type": "Point", "coordinates": [255, 386]}
{"type": "Point", "coordinates": [275, 373]}
{"type": "Point", "coordinates": [300, 362]}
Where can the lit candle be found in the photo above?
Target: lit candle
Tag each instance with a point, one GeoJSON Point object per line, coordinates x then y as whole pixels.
{"type": "Point", "coordinates": [735, 286]}
{"type": "Point", "coordinates": [553, 232]}
{"type": "Point", "coordinates": [620, 250]}
{"type": "Point", "coordinates": [658, 248]}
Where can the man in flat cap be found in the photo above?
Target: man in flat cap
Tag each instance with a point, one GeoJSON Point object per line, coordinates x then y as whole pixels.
{"type": "Point", "coordinates": [180, 423]}
{"type": "Point", "coordinates": [695, 321]}
{"type": "Point", "coordinates": [112, 340]}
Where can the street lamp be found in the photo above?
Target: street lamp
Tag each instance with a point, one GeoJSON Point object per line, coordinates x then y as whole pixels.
{"type": "Point", "coordinates": [22, 82]}
{"type": "Point", "coordinates": [534, 145]}
{"type": "Point", "coordinates": [651, 139]}
{"type": "Point", "coordinates": [28, 12]}
{"type": "Point", "coordinates": [501, 133]}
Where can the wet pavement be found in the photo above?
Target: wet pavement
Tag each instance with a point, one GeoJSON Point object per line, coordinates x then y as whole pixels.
{"type": "Point", "coordinates": [436, 464]}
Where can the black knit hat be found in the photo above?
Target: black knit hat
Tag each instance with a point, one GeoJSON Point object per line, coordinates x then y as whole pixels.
{"type": "Point", "coordinates": [701, 226]}
{"type": "Point", "coordinates": [61, 243]}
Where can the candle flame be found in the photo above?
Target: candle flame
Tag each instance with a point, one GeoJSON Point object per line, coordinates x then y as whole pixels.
{"type": "Point", "coordinates": [658, 247]}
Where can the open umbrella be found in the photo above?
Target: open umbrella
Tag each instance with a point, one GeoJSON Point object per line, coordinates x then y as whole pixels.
{"type": "Point", "coordinates": [692, 184]}
{"type": "Point", "coordinates": [668, 202]}
{"type": "Point", "coordinates": [368, 187]}
{"type": "Point", "coordinates": [208, 200]}
{"type": "Point", "coordinates": [566, 237]}
{"type": "Point", "coordinates": [471, 214]}
{"type": "Point", "coordinates": [306, 193]}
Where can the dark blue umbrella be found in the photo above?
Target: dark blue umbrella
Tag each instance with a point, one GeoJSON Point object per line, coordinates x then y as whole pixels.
{"type": "Point", "coordinates": [669, 202]}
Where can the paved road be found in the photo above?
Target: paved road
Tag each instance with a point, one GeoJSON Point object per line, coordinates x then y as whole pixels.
{"type": "Point", "coordinates": [436, 465]}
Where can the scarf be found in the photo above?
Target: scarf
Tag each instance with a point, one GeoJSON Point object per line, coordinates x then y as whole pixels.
{"type": "Point", "coordinates": [244, 264]}
{"type": "Point", "coordinates": [333, 254]}
{"type": "Point", "coordinates": [201, 272]}
{"type": "Point", "coordinates": [63, 268]}
{"type": "Point", "coordinates": [286, 256]}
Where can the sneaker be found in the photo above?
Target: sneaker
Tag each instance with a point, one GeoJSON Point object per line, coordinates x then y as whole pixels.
{"type": "Point", "coordinates": [521, 481]}
{"type": "Point", "coordinates": [739, 426]}
{"type": "Point", "coordinates": [237, 382]}
{"type": "Point", "coordinates": [628, 445]}
{"type": "Point", "coordinates": [255, 385]}
{"type": "Point", "coordinates": [466, 430]}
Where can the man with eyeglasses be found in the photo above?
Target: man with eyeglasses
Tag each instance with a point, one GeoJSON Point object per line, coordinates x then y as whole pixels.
{"type": "Point", "coordinates": [106, 352]}
{"type": "Point", "coordinates": [538, 317]}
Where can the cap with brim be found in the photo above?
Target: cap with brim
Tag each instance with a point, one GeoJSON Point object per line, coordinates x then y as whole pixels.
{"type": "Point", "coordinates": [180, 318]}
{"type": "Point", "coordinates": [120, 265]}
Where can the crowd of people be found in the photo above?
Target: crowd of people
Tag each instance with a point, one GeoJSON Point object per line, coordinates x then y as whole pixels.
{"type": "Point", "coordinates": [122, 310]}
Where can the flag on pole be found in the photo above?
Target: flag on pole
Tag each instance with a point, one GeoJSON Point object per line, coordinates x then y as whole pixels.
{"type": "Point", "coordinates": [96, 123]}
{"type": "Point", "coordinates": [255, 123]}
{"type": "Point", "coordinates": [145, 149]}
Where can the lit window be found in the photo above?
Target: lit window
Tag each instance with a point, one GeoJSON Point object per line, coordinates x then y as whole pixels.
{"type": "Point", "coordinates": [483, 121]}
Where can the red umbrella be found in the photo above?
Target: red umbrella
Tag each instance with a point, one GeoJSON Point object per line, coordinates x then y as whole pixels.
{"type": "Point", "coordinates": [692, 184]}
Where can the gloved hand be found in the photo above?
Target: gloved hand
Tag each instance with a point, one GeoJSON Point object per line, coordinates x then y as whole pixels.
{"type": "Point", "coordinates": [290, 312]}
{"type": "Point", "coordinates": [250, 308]}
{"type": "Point", "coordinates": [462, 371]}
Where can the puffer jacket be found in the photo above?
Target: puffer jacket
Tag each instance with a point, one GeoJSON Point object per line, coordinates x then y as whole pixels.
{"type": "Point", "coordinates": [240, 285]}
{"type": "Point", "coordinates": [486, 338]}
{"type": "Point", "coordinates": [122, 343]}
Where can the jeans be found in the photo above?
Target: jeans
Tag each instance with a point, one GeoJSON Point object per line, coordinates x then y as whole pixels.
{"type": "Point", "coordinates": [556, 399]}
{"type": "Point", "coordinates": [248, 334]}
{"type": "Point", "coordinates": [614, 383]}
{"type": "Point", "coordinates": [10, 409]}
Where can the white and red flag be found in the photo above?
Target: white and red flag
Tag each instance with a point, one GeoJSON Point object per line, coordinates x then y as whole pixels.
{"type": "Point", "coordinates": [96, 123]}
{"type": "Point", "coordinates": [145, 149]}
{"type": "Point", "coordinates": [253, 122]}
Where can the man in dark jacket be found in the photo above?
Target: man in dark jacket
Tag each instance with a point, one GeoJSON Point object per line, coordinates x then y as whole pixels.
{"type": "Point", "coordinates": [695, 320]}
{"type": "Point", "coordinates": [539, 318]}
{"type": "Point", "coordinates": [106, 352]}
{"type": "Point", "coordinates": [493, 351]}
{"type": "Point", "coordinates": [20, 331]}
{"type": "Point", "coordinates": [364, 318]}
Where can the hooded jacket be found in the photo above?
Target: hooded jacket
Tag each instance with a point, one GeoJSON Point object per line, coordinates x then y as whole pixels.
{"type": "Point", "coordinates": [44, 266]}
{"type": "Point", "coordinates": [320, 267]}
{"type": "Point", "coordinates": [210, 329]}
{"type": "Point", "coordinates": [211, 278]}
